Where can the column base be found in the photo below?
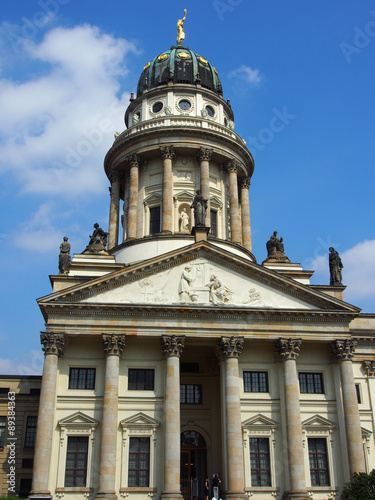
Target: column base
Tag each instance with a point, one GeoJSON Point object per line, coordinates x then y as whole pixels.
{"type": "Point", "coordinates": [40, 496]}
{"type": "Point", "coordinates": [110, 495]}
{"type": "Point", "coordinates": [171, 496]}
{"type": "Point", "coordinates": [296, 495]}
{"type": "Point", "coordinates": [232, 495]}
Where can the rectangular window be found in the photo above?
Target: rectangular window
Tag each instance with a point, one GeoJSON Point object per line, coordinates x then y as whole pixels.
{"type": "Point", "coordinates": [255, 381]}
{"type": "Point", "coordinates": [30, 434]}
{"type": "Point", "coordinates": [4, 390]}
{"type": "Point", "coordinates": [154, 220]}
{"type": "Point", "coordinates": [82, 378]}
{"type": "Point", "coordinates": [260, 462]}
{"type": "Point", "coordinates": [213, 222]}
{"type": "Point", "coordinates": [141, 380]}
{"type": "Point", "coordinates": [191, 394]}
{"type": "Point", "coordinates": [189, 367]}
{"type": "Point", "coordinates": [3, 426]}
{"type": "Point", "coordinates": [318, 462]}
{"type": "Point", "coordinates": [311, 383]}
{"type": "Point", "coordinates": [27, 463]}
{"type": "Point", "coordinates": [139, 461]}
{"type": "Point", "coordinates": [76, 461]}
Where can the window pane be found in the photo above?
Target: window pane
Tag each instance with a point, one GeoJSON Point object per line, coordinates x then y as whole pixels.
{"type": "Point", "coordinates": [260, 462]}
{"type": "Point", "coordinates": [255, 381]}
{"type": "Point", "coordinates": [141, 380]}
{"type": "Point", "coordinates": [76, 461]}
{"type": "Point", "coordinates": [318, 461]}
{"type": "Point", "coordinates": [311, 383]}
{"type": "Point", "coordinates": [139, 461]}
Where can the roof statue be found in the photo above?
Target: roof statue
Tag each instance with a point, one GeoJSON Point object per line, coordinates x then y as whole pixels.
{"type": "Point", "coordinates": [335, 268]}
{"type": "Point", "coordinates": [180, 29]}
{"type": "Point", "coordinates": [275, 249]}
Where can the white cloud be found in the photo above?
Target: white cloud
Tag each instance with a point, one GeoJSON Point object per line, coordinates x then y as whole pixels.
{"type": "Point", "coordinates": [247, 74]}
{"type": "Point", "coordinates": [57, 125]}
{"type": "Point", "coordinates": [358, 272]}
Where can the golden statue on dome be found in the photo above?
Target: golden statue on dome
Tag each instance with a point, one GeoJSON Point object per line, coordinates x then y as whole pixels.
{"type": "Point", "coordinates": [180, 29]}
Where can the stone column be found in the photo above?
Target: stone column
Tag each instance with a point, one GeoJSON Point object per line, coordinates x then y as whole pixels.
{"type": "Point", "coordinates": [204, 157]}
{"type": "Point", "coordinates": [114, 209]}
{"type": "Point", "coordinates": [113, 346]}
{"type": "Point", "coordinates": [53, 346]}
{"type": "Point", "coordinates": [230, 349]}
{"type": "Point", "coordinates": [343, 352]}
{"type": "Point", "coordinates": [245, 214]}
{"type": "Point", "coordinates": [288, 350]}
{"type": "Point", "coordinates": [172, 349]}
{"type": "Point", "coordinates": [235, 223]}
{"type": "Point", "coordinates": [167, 153]}
{"type": "Point", "coordinates": [134, 162]}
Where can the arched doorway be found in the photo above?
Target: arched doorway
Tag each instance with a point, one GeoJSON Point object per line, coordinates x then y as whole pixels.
{"type": "Point", "coordinates": [193, 465]}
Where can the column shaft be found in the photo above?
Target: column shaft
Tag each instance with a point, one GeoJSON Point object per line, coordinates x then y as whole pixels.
{"type": "Point", "coordinates": [167, 203]}
{"type": "Point", "coordinates": [245, 214]}
{"type": "Point", "coordinates": [133, 199]}
{"type": "Point", "coordinates": [172, 347]}
{"type": "Point", "coordinates": [235, 222]}
{"type": "Point", "coordinates": [114, 211]}
{"type": "Point", "coordinates": [289, 350]}
{"type": "Point", "coordinates": [352, 419]}
{"type": "Point", "coordinates": [204, 157]}
{"type": "Point", "coordinates": [230, 348]}
{"type": "Point", "coordinates": [53, 345]}
{"type": "Point", "coordinates": [113, 346]}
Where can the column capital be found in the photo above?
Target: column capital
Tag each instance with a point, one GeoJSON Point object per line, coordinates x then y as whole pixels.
{"type": "Point", "coordinates": [230, 347]}
{"type": "Point", "coordinates": [134, 160]}
{"type": "Point", "coordinates": [113, 345]}
{"type": "Point", "coordinates": [204, 154]}
{"type": "Point", "coordinates": [343, 350]}
{"type": "Point", "coordinates": [369, 368]}
{"type": "Point", "coordinates": [172, 345]}
{"type": "Point", "coordinates": [288, 348]}
{"type": "Point", "coordinates": [245, 183]}
{"type": "Point", "coordinates": [232, 166]}
{"type": "Point", "coordinates": [114, 175]}
{"type": "Point", "coordinates": [167, 152]}
{"type": "Point", "coordinates": [53, 343]}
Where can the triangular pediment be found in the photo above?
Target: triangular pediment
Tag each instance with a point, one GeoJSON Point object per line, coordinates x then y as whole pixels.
{"type": "Point", "coordinates": [260, 421]}
{"type": "Point", "coordinates": [317, 422]}
{"type": "Point", "coordinates": [78, 419]}
{"type": "Point", "coordinates": [196, 276]}
{"type": "Point", "coordinates": [140, 420]}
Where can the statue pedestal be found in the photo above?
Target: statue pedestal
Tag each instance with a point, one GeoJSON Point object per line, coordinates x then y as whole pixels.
{"type": "Point", "coordinates": [200, 233]}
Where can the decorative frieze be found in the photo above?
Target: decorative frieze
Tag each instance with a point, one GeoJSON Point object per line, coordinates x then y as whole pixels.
{"type": "Point", "coordinates": [113, 345]}
{"type": "Point", "coordinates": [53, 343]}
{"type": "Point", "coordinates": [288, 348]}
{"type": "Point", "coordinates": [167, 152]}
{"type": "Point", "coordinates": [231, 347]}
{"type": "Point", "coordinates": [369, 368]}
{"type": "Point", "coordinates": [343, 350]}
{"type": "Point", "coordinates": [172, 345]}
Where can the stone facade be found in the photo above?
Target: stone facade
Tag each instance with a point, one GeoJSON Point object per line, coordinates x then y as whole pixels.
{"type": "Point", "coordinates": [177, 355]}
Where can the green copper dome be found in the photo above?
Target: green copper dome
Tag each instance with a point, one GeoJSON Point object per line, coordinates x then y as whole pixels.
{"type": "Point", "coordinates": [179, 65]}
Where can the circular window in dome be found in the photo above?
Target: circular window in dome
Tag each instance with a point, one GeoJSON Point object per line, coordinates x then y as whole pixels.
{"type": "Point", "coordinates": [210, 111]}
{"type": "Point", "coordinates": [163, 57]}
{"type": "Point", "coordinates": [184, 104]}
{"type": "Point", "coordinates": [203, 60]}
{"type": "Point", "coordinates": [183, 55]}
{"type": "Point", "coordinates": [157, 106]}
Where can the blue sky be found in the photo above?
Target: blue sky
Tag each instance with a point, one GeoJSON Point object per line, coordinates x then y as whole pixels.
{"type": "Point", "coordinates": [300, 77]}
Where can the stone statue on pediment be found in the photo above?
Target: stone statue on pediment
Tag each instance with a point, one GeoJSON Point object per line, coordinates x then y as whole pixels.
{"type": "Point", "coordinates": [98, 240]}
{"type": "Point", "coordinates": [335, 267]}
{"type": "Point", "coordinates": [275, 249]}
{"type": "Point", "coordinates": [64, 257]}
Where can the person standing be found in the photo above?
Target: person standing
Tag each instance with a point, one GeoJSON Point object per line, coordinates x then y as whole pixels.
{"type": "Point", "coordinates": [206, 488]}
{"type": "Point", "coordinates": [216, 481]}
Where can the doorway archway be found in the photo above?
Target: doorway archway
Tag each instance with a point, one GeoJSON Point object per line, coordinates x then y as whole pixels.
{"type": "Point", "coordinates": [193, 465]}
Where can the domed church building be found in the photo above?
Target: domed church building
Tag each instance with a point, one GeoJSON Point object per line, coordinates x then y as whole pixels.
{"type": "Point", "coordinates": [171, 354]}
